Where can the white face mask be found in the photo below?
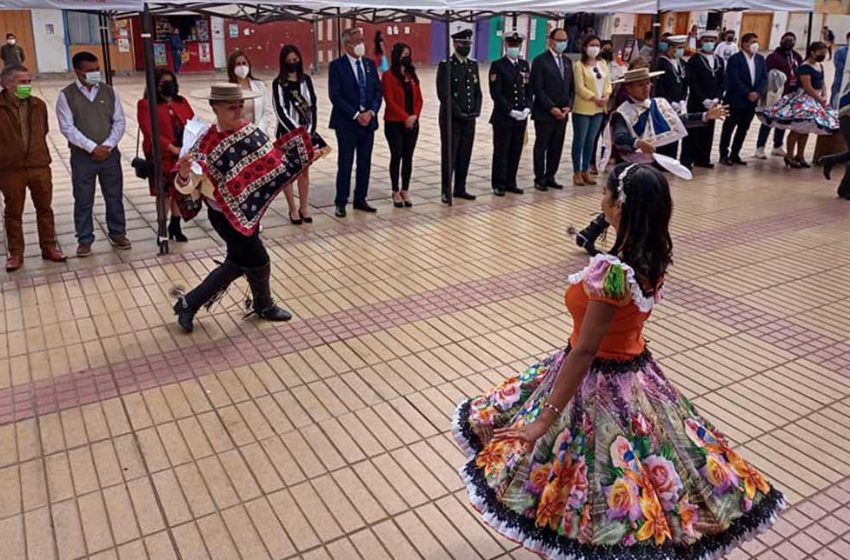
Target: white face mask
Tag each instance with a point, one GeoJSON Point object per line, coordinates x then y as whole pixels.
{"type": "Point", "coordinates": [592, 52]}
{"type": "Point", "coordinates": [93, 78]}
{"type": "Point", "coordinates": [242, 71]}
{"type": "Point", "coordinates": [11, 41]}
{"type": "Point", "coordinates": [754, 48]}
{"type": "Point", "coordinates": [359, 50]}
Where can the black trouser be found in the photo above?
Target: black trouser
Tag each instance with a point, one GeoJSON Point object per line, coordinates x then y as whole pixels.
{"type": "Point", "coordinates": [548, 147]}
{"type": "Point", "coordinates": [463, 136]}
{"type": "Point", "coordinates": [508, 141]}
{"type": "Point", "coordinates": [844, 186]}
{"type": "Point", "coordinates": [739, 120]}
{"type": "Point", "coordinates": [402, 142]}
{"type": "Point", "coordinates": [697, 145]}
{"type": "Point", "coordinates": [605, 120]}
{"type": "Point", "coordinates": [670, 150]}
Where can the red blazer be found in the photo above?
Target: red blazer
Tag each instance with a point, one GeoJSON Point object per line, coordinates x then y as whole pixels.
{"type": "Point", "coordinates": [166, 128]}
{"type": "Point", "coordinates": [394, 98]}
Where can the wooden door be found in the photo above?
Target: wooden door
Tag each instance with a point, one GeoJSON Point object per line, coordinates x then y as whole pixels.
{"type": "Point", "coordinates": [19, 22]}
{"type": "Point", "coordinates": [643, 23]}
{"type": "Point", "coordinates": [759, 23]}
{"type": "Point", "coordinates": [682, 20]}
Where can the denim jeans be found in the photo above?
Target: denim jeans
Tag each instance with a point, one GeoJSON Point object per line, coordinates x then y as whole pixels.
{"type": "Point", "coordinates": [585, 129]}
{"type": "Point", "coordinates": [85, 172]}
{"type": "Point", "coordinates": [764, 132]}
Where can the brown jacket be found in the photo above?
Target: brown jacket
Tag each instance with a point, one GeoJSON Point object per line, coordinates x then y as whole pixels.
{"type": "Point", "coordinates": [13, 154]}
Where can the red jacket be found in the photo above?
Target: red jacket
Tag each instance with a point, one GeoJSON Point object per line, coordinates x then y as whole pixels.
{"type": "Point", "coordinates": [394, 98]}
{"type": "Point", "coordinates": [182, 110]}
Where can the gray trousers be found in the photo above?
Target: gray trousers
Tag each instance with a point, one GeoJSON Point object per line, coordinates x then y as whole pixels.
{"type": "Point", "coordinates": [85, 172]}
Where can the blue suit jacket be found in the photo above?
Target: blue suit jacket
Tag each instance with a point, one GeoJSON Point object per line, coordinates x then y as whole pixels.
{"type": "Point", "coordinates": [739, 84]}
{"type": "Point", "coordinates": [345, 93]}
{"type": "Point", "coordinates": [840, 60]}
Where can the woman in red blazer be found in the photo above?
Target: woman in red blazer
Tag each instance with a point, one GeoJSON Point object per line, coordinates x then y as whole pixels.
{"type": "Point", "coordinates": [403, 98]}
{"type": "Point", "coordinates": [172, 112]}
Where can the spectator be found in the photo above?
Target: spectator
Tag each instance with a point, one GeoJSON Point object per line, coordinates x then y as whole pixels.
{"type": "Point", "coordinates": [593, 89]}
{"type": "Point", "coordinates": [172, 113]}
{"type": "Point", "coordinates": [295, 104]}
{"type": "Point", "coordinates": [92, 119]}
{"type": "Point", "coordinates": [554, 90]}
{"type": "Point", "coordinates": [355, 94]}
{"type": "Point", "coordinates": [705, 82]}
{"type": "Point", "coordinates": [607, 54]}
{"type": "Point", "coordinates": [12, 53]}
{"type": "Point", "coordinates": [828, 37]}
{"type": "Point", "coordinates": [403, 98]}
{"type": "Point", "coordinates": [785, 60]}
{"type": "Point", "coordinates": [258, 110]}
{"type": "Point", "coordinates": [672, 85]}
{"type": "Point", "coordinates": [840, 61]}
{"type": "Point", "coordinates": [25, 162]}
{"type": "Point", "coordinates": [380, 57]}
{"type": "Point", "coordinates": [746, 82]}
{"type": "Point", "coordinates": [728, 47]}
{"type": "Point", "coordinates": [177, 48]}
{"type": "Point", "coordinates": [647, 51]}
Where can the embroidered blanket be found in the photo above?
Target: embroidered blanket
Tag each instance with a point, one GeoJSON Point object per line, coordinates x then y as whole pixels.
{"type": "Point", "coordinates": [248, 169]}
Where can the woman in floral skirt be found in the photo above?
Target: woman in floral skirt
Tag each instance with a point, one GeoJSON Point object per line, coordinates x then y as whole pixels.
{"type": "Point", "coordinates": [592, 453]}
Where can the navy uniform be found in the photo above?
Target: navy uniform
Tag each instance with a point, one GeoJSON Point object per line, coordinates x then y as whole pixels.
{"type": "Point", "coordinates": [510, 89]}
{"type": "Point", "coordinates": [706, 82]}
{"type": "Point", "coordinates": [466, 100]}
{"type": "Point", "coordinates": [673, 84]}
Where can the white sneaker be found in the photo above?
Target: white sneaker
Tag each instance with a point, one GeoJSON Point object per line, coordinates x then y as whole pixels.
{"type": "Point", "coordinates": [778, 152]}
{"type": "Point", "coordinates": [759, 154]}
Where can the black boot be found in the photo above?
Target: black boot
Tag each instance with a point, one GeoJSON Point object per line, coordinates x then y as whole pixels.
{"type": "Point", "coordinates": [262, 304]}
{"type": "Point", "coordinates": [828, 162]}
{"type": "Point", "coordinates": [586, 238]}
{"type": "Point", "coordinates": [174, 230]}
{"type": "Point", "coordinates": [207, 293]}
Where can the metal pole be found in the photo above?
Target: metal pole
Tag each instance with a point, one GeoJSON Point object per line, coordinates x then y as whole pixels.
{"type": "Point", "coordinates": [448, 108]}
{"type": "Point", "coordinates": [656, 30]}
{"type": "Point", "coordinates": [156, 164]}
{"type": "Point", "coordinates": [809, 34]}
{"type": "Point", "coordinates": [103, 21]}
{"type": "Point", "coordinates": [315, 68]}
{"type": "Point", "coordinates": [338, 33]}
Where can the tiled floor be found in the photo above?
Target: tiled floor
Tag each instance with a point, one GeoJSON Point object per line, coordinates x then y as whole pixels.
{"type": "Point", "coordinates": [328, 437]}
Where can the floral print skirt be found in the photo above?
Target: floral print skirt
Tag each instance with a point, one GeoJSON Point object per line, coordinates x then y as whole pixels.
{"type": "Point", "coordinates": [630, 470]}
{"type": "Point", "coordinates": [800, 112]}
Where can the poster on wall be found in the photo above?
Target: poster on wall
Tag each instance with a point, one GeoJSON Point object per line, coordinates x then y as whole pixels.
{"type": "Point", "coordinates": [234, 30]}
{"type": "Point", "coordinates": [159, 56]}
{"type": "Point", "coordinates": [204, 52]}
{"type": "Point", "coordinates": [123, 45]}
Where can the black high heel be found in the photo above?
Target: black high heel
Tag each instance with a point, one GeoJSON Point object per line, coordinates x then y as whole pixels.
{"type": "Point", "coordinates": [175, 232]}
{"type": "Point", "coordinates": [306, 219]}
{"type": "Point", "coordinates": [296, 221]}
{"type": "Point", "coordinates": [791, 162]}
{"type": "Point", "coordinates": [397, 203]}
{"type": "Point", "coordinates": [803, 163]}
{"type": "Point", "coordinates": [406, 201]}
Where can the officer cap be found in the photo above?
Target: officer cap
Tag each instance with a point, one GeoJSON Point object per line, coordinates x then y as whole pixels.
{"type": "Point", "coordinates": [463, 35]}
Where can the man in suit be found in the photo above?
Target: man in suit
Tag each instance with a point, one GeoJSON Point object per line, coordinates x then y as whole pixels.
{"type": "Point", "coordinates": [705, 81]}
{"type": "Point", "coordinates": [840, 60]}
{"type": "Point", "coordinates": [746, 82]}
{"type": "Point", "coordinates": [554, 90]}
{"type": "Point", "coordinates": [510, 89]}
{"type": "Point", "coordinates": [355, 93]}
{"type": "Point", "coordinates": [462, 105]}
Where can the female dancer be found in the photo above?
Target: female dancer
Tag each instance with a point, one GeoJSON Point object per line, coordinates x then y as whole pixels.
{"type": "Point", "coordinates": [592, 453]}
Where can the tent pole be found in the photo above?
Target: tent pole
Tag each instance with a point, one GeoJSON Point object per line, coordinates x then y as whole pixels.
{"type": "Point", "coordinates": [155, 165]}
{"type": "Point", "coordinates": [809, 34]}
{"type": "Point", "coordinates": [338, 33]}
{"type": "Point", "coordinates": [103, 22]}
{"type": "Point", "coordinates": [448, 107]}
{"type": "Point", "coordinates": [315, 44]}
{"type": "Point", "coordinates": [656, 30]}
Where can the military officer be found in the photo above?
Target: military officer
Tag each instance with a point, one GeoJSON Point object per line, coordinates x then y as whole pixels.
{"type": "Point", "coordinates": [510, 90]}
{"type": "Point", "coordinates": [465, 98]}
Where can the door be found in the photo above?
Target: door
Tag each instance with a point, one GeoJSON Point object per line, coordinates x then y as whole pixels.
{"type": "Point", "coordinates": [19, 22]}
{"type": "Point", "coordinates": [643, 23]}
{"type": "Point", "coordinates": [759, 23]}
{"type": "Point", "coordinates": [682, 20]}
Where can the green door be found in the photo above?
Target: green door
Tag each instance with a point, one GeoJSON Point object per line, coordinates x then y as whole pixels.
{"type": "Point", "coordinates": [537, 43]}
{"type": "Point", "coordinates": [494, 43]}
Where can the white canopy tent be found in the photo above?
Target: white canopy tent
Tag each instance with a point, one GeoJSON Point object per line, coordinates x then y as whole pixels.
{"type": "Point", "coordinates": [757, 5]}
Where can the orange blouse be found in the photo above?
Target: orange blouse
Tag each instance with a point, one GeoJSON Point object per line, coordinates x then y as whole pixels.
{"type": "Point", "coordinates": [609, 280]}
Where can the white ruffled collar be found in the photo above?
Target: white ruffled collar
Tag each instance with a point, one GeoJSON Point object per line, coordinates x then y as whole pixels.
{"type": "Point", "coordinates": [644, 303]}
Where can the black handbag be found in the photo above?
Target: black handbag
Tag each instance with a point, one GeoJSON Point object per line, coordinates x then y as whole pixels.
{"type": "Point", "coordinates": [140, 165]}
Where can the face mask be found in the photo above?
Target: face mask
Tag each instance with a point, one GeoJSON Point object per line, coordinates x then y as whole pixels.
{"type": "Point", "coordinates": [730, 39]}
{"type": "Point", "coordinates": [592, 52]}
{"type": "Point", "coordinates": [11, 41]}
{"type": "Point", "coordinates": [754, 48]}
{"type": "Point", "coordinates": [663, 47]}
{"type": "Point", "coordinates": [560, 46]}
{"type": "Point", "coordinates": [680, 52]}
{"type": "Point", "coordinates": [242, 71]}
{"type": "Point", "coordinates": [406, 62]}
{"type": "Point", "coordinates": [359, 50]}
{"type": "Point", "coordinates": [23, 91]}
{"type": "Point", "coordinates": [708, 48]}
{"type": "Point", "coordinates": [820, 57]}
{"type": "Point", "coordinates": [292, 67]}
{"type": "Point", "coordinates": [606, 55]}
{"type": "Point", "coordinates": [513, 52]}
{"type": "Point", "coordinates": [463, 51]}
{"type": "Point", "coordinates": [788, 45]}
{"type": "Point", "coordinates": [93, 78]}
{"type": "Point", "coordinates": [169, 88]}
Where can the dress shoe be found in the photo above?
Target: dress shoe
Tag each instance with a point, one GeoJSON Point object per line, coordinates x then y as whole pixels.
{"type": "Point", "coordinates": [708, 165]}
{"type": "Point", "coordinates": [588, 180]}
{"type": "Point", "coordinates": [14, 262]}
{"type": "Point", "coordinates": [83, 250]}
{"type": "Point", "coordinates": [175, 232]}
{"type": "Point", "coordinates": [578, 180]}
{"type": "Point", "coordinates": [364, 207]}
{"type": "Point", "coordinates": [553, 184]}
{"type": "Point", "coordinates": [803, 163]}
{"type": "Point", "coordinates": [120, 242]}
{"type": "Point", "coordinates": [397, 201]}
{"type": "Point", "coordinates": [340, 211]}
{"type": "Point", "coordinates": [726, 161]}
{"type": "Point", "coordinates": [499, 191]}
{"type": "Point", "coordinates": [736, 160]}
{"type": "Point", "coordinates": [465, 196]}
{"type": "Point", "coordinates": [540, 187]}
{"type": "Point", "coordinates": [446, 199]}
{"type": "Point", "coordinates": [53, 254]}
{"type": "Point", "coordinates": [515, 190]}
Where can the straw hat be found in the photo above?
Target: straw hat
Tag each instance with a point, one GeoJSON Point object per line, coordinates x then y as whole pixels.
{"type": "Point", "coordinates": [637, 75]}
{"type": "Point", "coordinates": [225, 91]}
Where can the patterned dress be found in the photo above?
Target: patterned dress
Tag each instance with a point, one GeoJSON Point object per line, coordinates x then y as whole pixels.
{"type": "Point", "coordinates": [630, 470]}
{"type": "Point", "coordinates": [799, 111]}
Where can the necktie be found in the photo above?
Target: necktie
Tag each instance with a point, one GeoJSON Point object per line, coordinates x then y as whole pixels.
{"type": "Point", "coordinates": [560, 66]}
{"type": "Point", "coordinates": [361, 83]}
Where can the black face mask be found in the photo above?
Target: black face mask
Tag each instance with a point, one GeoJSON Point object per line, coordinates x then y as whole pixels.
{"type": "Point", "coordinates": [820, 57]}
{"type": "Point", "coordinates": [169, 88]}
{"type": "Point", "coordinates": [788, 45]}
{"type": "Point", "coordinates": [405, 61]}
{"type": "Point", "coordinates": [292, 67]}
{"type": "Point", "coordinates": [606, 55]}
{"type": "Point", "coordinates": [463, 51]}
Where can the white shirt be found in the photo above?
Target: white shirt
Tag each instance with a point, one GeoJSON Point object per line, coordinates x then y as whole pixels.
{"type": "Point", "coordinates": [751, 64]}
{"type": "Point", "coordinates": [725, 50]}
{"type": "Point", "coordinates": [599, 80]}
{"type": "Point", "coordinates": [263, 113]}
{"type": "Point", "coordinates": [559, 61]}
{"type": "Point", "coordinates": [72, 133]}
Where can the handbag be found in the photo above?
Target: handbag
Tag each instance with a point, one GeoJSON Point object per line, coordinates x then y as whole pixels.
{"type": "Point", "coordinates": [140, 165]}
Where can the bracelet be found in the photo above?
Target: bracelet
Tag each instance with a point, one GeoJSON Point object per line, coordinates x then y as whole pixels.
{"type": "Point", "coordinates": [555, 410]}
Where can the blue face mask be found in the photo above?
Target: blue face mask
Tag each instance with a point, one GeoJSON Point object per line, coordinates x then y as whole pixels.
{"type": "Point", "coordinates": [708, 48]}
{"type": "Point", "coordinates": [662, 46]}
{"type": "Point", "coordinates": [513, 52]}
{"type": "Point", "coordinates": [560, 46]}
{"type": "Point", "coordinates": [680, 52]}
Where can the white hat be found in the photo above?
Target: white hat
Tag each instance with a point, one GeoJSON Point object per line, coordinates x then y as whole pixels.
{"type": "Point", "coordinates": [637, 75]}
{"type": "Point", "coordinates": [709, 33]}
{"type": "Point", "coordinates": [677, 39]}
{"type": "Point", "coordinates": [225, 91]}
